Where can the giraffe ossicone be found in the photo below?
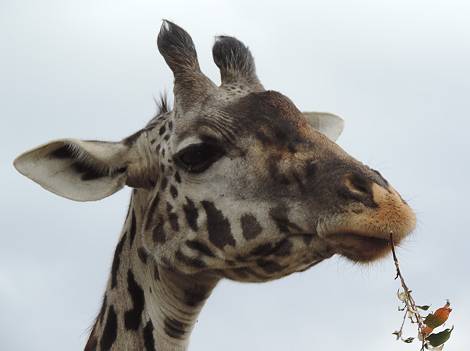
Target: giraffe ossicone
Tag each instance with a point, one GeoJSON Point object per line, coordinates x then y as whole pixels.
{"type": "Point", "coordinates": [234, 182]}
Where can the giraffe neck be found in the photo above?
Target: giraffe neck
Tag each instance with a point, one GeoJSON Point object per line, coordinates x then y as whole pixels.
{"type": "Point", "coordinates": [145, 306]}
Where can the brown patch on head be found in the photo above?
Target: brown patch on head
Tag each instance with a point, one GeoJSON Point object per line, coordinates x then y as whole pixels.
{"type": "Point", "coordinates": [270, 117]}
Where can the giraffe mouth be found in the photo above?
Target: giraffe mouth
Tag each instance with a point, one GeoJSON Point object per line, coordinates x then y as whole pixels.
{"type": "Point", "coordinates": [359, 247]}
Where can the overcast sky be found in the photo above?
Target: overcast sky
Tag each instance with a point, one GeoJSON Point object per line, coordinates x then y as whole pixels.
{"type": "Point", "coordinates": [397, 71]}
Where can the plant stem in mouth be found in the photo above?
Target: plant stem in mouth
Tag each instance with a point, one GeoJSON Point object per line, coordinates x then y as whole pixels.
{"type": "Point", "coordinates": [409, 300]}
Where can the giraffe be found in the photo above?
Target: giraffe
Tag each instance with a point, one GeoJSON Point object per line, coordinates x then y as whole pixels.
{"type": "Point", "coordinates": [233, 183]}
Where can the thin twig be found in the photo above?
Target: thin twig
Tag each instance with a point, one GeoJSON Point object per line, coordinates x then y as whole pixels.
{"type": "Point", "coordinates": [409, 301]}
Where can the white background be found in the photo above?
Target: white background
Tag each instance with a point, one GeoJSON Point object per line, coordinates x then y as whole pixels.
{"type": "Point", "coordinates": [397, 71]}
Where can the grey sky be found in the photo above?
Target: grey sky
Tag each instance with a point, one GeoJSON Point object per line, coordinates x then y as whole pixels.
{"type": "Point", "coordinates": [397, 71]}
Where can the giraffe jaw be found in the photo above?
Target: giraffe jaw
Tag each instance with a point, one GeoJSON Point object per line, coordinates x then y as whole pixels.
{"type": "Point", "coordinates": [360, 247]}
{"type": "Point", "coordinates": [362, 242]}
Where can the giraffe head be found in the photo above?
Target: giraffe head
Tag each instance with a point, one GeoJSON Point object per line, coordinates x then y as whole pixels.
{"type": "Point", "coordinates": [235, 180]}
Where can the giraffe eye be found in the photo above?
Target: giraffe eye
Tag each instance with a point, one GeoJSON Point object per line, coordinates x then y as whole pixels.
{"type": "Point", "coordinates": [196, 158]}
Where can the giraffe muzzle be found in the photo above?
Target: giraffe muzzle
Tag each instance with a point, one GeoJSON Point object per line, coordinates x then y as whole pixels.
{"type": "Point", "coordinates": [362, 231]}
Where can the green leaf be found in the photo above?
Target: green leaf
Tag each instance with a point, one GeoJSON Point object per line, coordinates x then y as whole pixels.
{"type": "Point", "coordinates": [397, 334]}
{"type": "Point", "coordinates": [409, 340]}
{"type": "Point", "coordinates": [432, 321]}
{"type": "Point", "coordinates": [439, 338]}
{"type": "Point", "coordinates": [424, 308]}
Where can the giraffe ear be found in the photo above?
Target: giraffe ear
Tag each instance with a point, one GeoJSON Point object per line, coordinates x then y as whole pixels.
{"type": "Point", "coordinates": [75, 169]}
{"type": "Point", "coordinates": [326, 123]}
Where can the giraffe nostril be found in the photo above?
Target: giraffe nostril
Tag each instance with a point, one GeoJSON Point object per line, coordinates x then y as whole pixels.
{"type": "Point", "coordinates": [359, 184]}
{"type": "Point", "coordinates": [358, 187]}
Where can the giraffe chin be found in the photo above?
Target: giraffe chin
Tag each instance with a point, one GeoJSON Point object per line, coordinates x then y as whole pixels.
{"type": "Point", "coordinates": [360, 247]}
